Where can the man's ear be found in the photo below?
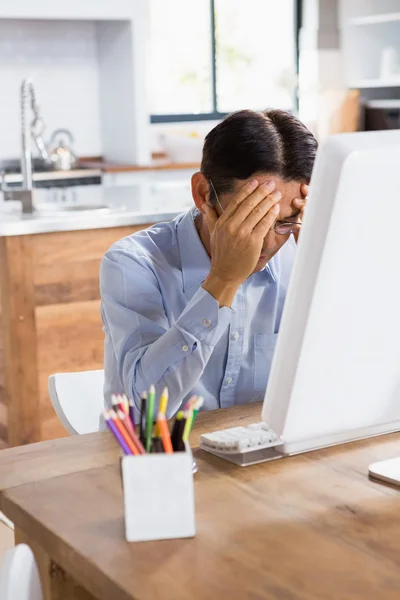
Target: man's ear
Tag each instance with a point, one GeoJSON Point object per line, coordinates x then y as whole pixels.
{"type": "Point", "coordinates": [200, 189]}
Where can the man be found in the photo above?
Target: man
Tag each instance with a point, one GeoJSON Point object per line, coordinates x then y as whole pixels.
{"type": "Point", "coordinates": [195, 304]}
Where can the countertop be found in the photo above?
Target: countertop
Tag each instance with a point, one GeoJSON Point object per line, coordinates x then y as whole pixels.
{"type": "Point", "coordinates": [160, 163]}
{"type": "Point", "coordinates": [142, 203]}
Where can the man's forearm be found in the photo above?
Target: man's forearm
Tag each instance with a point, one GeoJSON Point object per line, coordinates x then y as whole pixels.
{"type": "Point", "coordinates": [177, 358]}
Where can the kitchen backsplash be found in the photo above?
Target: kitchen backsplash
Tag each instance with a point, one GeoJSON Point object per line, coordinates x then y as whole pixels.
{"type": "Point", "coordinates": [61, 57]}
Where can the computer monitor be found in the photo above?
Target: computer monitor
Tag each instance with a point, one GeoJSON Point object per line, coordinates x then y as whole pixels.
{"type": "Point", "coordinates": [335, 374]}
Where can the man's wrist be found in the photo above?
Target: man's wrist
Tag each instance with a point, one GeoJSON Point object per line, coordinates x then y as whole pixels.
{"type": "Point", "coordinates": [223, 291]}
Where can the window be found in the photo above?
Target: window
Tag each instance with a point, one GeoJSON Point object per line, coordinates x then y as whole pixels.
{"type": "Point", "coordinates": [211, 57]}
{"type": "Point", "coordinates": [180, 56]}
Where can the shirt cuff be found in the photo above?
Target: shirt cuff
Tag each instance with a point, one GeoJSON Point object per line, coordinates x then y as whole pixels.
{"type": "Point", "coordinates": [203, 319]}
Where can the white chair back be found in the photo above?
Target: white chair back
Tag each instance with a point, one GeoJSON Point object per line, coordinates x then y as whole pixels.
{"type": "Point", "coordinates": [19, 575]}
{"type": "Point", "coordinates": [78, 400]}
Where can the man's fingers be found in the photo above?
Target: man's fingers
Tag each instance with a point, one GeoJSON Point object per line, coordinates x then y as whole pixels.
{"type": "Point", "coordinates": [250, 194]}
{"type": "Point", "coordinates": [251, 202]}
{"type": "Point", "coordinates": [262, 228]}
{"type": "Point", "coordinates": [304, 189]}
{"type": "Point", "coordinates": [299, 203]}
{"type": "Point", "coordinates": [245, 191]}
{"type": "Point", "coordinates": [211, 216]}
{"type": "Point", "coordinates": [260, 210]}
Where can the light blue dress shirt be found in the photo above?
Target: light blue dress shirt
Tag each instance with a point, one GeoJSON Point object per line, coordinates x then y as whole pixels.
{"type": "Point", "coordinates": [162, 327]}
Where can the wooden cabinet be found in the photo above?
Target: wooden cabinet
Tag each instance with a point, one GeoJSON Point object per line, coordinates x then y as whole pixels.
{"type": "Point", "coordinates": [50, 322]}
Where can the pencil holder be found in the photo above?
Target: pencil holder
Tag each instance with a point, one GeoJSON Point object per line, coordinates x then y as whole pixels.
{"type": "Point", "coordinates": [158, 496]}
{"type": "Point", "coordinates": [195, 468]}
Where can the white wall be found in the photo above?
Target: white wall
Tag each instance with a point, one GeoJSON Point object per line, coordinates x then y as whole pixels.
{"type": "Point", "coordinates": [106, 10]}
{"type": "Point", "coordinates": [61, 57]}
{"type": "Point", "coordinates": [67, 48]}
{"type": "Point", "coordinates": [358, 8]}
{"type": "Point", "coordinates": [321, 72]}
{"type": "Point", "coordinates": [363, 45]}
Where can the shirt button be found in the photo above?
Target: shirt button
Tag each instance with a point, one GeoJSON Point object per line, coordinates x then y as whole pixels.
{"type": "Point", "coordinates": [229, 380]}
{"type": "Point", "coordinates": [185, 348]}
{"type": "Point", "coordinates": [235, 336]}
{"type": "Point", "coordinates": [206, 322]}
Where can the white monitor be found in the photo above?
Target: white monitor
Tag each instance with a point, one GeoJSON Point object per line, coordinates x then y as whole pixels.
{"type": "Point", "coordinates": [335, 375]}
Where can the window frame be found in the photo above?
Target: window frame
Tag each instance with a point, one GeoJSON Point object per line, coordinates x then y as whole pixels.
{"type": "Point", "coordinates": [216, 115]}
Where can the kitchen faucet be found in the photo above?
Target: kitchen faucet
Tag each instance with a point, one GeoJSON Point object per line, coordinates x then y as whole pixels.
{"type": "Point", "coordinates": [28, 130]}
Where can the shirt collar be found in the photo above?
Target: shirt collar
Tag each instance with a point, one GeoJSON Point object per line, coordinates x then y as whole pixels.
{"type": "Point", "coordinates": [270, 269]}
{"type": "Point", "coordinates": [194, 258]}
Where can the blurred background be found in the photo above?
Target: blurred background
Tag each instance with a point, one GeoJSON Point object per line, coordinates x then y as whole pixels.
{"type": "Point", "coordinates": [130, 79]}
{"type": "Point", "coordinates": [104, 107]}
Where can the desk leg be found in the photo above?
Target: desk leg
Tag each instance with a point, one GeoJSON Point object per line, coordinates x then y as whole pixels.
{"type": "Point", "coordinates": [56, 583]}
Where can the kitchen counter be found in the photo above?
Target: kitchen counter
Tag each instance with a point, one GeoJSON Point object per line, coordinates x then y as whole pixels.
{"type": "Point", "coordinates": [161, 163]}
{"type": "Point", "coordinates": [143, 203]}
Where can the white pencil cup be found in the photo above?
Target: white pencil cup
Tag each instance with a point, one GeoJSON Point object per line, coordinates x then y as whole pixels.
{"type": "Point", "coordinates": [158, 496]}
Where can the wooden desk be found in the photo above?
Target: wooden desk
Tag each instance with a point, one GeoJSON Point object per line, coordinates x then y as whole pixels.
{"type": "Point", "coordinates": [310, 527]}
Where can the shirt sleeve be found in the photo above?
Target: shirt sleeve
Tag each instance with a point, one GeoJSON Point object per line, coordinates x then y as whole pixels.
{"type": "Point", "coordinates": [147, 348]}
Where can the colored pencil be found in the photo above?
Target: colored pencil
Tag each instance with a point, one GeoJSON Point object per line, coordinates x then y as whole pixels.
{"type": "Point", "coordinates": [132, 412]}
{"type": "Point", "coordinates": [180, 447]}
{"type": "Point", "coordinates": [177, 430]}
{"type": "Point", "coordinates": [165, 435]}
{"type": "Point", "coordinates": [199, 403]}
{"type": "Point", "coordinates": [125, 420]}
{"type": "Point", "coordinates": [114, 430]}
{"type": "Point", "coordinates": [122, 406]}
{"type": "Point", "coordinates": [143, 411]}
{"type": "Point", "coordinates": [132, 432]}
{"type": "Point", "coordinates": [156, 446]}
{"type": "Point", "coordinates": [163, 407]}
{"type": "Point", "coordinates": [164, 401]}
{"type": "Point", "coordinates": [190, 404]}
{"type": "Point", "coordinates": [124, 432]}
{"type": "Point", "coordinates": [151, 400]}
{"type": "Point", "coordinates": [188, 425]}
{"type": "Point", "coordinates": [124, 403]}
{"type": "Point", "coordinates": [117, 402]}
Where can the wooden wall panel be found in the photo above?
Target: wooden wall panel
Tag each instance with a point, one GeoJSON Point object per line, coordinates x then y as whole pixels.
{"type": "Point", "coordinates": [69, 338]}
{"type": "Point", "coordinates": [71, 282]}
{"type": "Point", "coordinates": [52, 428]}
{"type": "Point", "coordinates": [51, 307]}
{"type": "Point", "coordinates": [2, 372]}
{"type": "Point", "coordinates": [19, 337]}
{"type": "Point", "coordinates": [67, 263]}
{"type": "Point", "coordinates": [69, 246]}
{"type": "Point", "coordinates": [3, 405]}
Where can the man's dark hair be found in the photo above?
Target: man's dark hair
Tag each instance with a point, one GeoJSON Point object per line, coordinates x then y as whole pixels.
{"type": "Point", "coordinates": [248, 142]}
